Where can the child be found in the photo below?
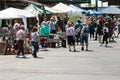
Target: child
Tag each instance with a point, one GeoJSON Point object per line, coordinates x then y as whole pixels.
{"type": "Point", "coordinates": [105, 34]}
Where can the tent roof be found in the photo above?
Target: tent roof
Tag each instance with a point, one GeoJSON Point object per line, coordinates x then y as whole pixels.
{"type": "Point", "coordinates": [76, 8]}
{"type": "Point", "coordinates": [63, 7]}
{"type": "Point", "coordinates": [37, 10]}
{"type": "Point", "coordinates": [47, 8]}
{"type": "Point", "coordinates": [110, 10]}
{"type": "Point", "coordinates": [33, 9]}
{"type": "Point", "coordinates": [55, 11]}
{"type": "Point", "coordinates": [11, 13]}
{"type": "Point", "coordinates": [94, 12]}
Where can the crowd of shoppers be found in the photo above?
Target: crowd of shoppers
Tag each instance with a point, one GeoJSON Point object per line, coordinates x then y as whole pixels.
{"type": "Point", "coordinates": [102, 28]}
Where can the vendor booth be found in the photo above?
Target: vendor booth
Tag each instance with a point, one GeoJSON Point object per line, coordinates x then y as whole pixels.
{"type": "Point", "coordinates": [13, 13]}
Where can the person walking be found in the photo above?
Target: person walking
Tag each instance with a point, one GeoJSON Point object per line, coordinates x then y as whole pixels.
{"type": "Point", "coordinates": [92, 29]}
{"type": "Point", "coordinates": [96, 26]}
{"type": "Point", "coordinates": [70, 33]}
{"type": "Point", "coordinates": [84, 37]}
{"type": "Point", "coordinates": [111, 29]}
{"type": "Point", "coordinates": [78, 28]}
{"type": "Point", "coordinates": [100, 30]}
{"type": "Point", "coordinates": [20, 37]}
{"type": "Point", "coordinates": [105, 34]}
{"type": "Point", "coordinates": [118, 28]}
{"type": "Point", "coordinates": [35, 39]}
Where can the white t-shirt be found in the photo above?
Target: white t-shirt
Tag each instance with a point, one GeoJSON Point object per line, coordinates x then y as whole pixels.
{"type": "Point", "coordinates": [107, 29]}
{"type": "Point", "coordinates": [15, 26]}
{"type": "Point", "coordinates": [20, 34]}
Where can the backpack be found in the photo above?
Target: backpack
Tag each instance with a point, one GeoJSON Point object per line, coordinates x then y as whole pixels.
{"type": "Point", "coordinates": [85, 32]}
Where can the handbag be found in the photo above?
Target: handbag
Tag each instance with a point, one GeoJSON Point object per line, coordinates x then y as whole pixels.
{"type": "Point", "coordinates": [77, 30]}
{"type": "Point", "coordinates": [37, 37]}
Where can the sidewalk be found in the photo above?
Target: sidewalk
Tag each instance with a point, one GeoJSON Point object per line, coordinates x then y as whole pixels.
{"type": "Point", "coordinates": [99, 63]}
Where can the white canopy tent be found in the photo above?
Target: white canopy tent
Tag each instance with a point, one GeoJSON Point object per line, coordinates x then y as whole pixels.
{"type": "Point", "coordinates": [54, 10]}
{"type": "Point", "coordinates": [110, 10]}
{"type": "Point", "coordinates": [63, 7]}
{"type": "Point", "coordinates": [78, 10]}
{"type": "Point", "coordinates": [12, 13]}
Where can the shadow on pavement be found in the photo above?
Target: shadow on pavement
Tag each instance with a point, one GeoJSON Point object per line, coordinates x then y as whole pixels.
{"type": "Point", "coordinates": [23, 58]}
{"type": "Point", "coordinates": [40, 58]}
{"type": "Point", "coordinates": [90, 50]}
{"type": "Point", "coordinates": [109, 46]}
{"type": "Point", "coordinates": [44, 50]}
{"type": "Point", "coordinates": [74, 51]}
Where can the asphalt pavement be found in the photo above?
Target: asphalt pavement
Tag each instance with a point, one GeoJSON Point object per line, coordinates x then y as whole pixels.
{"type": "Point", "coordinates": [99, 63]}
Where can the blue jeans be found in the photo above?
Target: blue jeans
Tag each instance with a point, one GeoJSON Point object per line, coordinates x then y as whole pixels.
{"type": "Point", "coordinates": [36, 48]}
{"type": "Point", "coordinates": [85, 39]}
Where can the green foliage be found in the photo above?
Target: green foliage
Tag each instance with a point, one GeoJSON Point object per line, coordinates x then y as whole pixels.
{"type": "Point", "coordinates": [74, 17]}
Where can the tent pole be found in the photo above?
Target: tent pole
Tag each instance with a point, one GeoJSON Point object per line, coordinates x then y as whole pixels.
{"type": "Point", "coordinates": [44, 10]}
{"type": "Point", "coordinates": [96, 1]}
{"type": "Point", "coordinates": [5, 4]}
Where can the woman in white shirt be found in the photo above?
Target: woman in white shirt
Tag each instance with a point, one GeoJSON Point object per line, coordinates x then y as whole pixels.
{"type": "Point", "coordinates": [35, 40]}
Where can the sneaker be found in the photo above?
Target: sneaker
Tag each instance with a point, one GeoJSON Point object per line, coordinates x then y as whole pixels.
{"type": "Point", "coordinates": [75, 51]}
{"type": "Point", "coordinates": [17, 56]}
{"type": "Point", "coordinates": [86, 49]}
{"type": "Point", "coordinates": [82, 48]}
{"type": "Point", "coordinates": [70, 50]}
{"type": "Point", "coordinates": [106, 45]}
{"type": "Point", "coordinates": [24, 56]}
{"type": "Point", "coordinates": [34, 56]}
{"type": "Point", "coordinates": [101, 45]}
